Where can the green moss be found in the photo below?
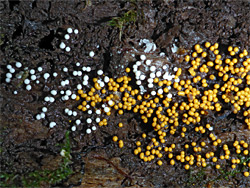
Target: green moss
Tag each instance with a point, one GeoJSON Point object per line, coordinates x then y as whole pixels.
{"type": "Point", "coordinates": [196, 178]}
{"type": "Point", "coordinates": [38, 177]}
{"type": "Point", "coordinates": [7, 180]}
{"type": "Point", "coordinates": [224, 174]}
{"type": "Point", "coordinates": [35, 179]}
{"type": "Point", "coordinates": [119, 22]}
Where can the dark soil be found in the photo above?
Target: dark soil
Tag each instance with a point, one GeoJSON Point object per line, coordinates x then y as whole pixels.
{"type": "Point", "coordinates": [31, 32]}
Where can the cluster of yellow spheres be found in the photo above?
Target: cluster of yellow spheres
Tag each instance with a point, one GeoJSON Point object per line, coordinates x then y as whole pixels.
{"type": "Point", "coordinates": [212, 80]}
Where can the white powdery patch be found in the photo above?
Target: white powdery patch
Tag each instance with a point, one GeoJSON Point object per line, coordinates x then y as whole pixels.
{"type": "Point", "coordinates": [63, 152]}
{"type": "Point", "coordinates": [149, 46]}
{"type": "Point", "coordinates": [174, 48]}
